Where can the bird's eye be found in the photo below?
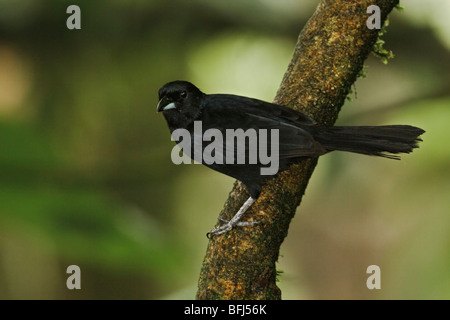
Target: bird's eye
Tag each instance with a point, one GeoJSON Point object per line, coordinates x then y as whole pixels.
{"type": "Point", "coordinates": [183, 94]}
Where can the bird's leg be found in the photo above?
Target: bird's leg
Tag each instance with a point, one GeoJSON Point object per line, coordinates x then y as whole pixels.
{"type": "Point", "coordinates": [234, 221]}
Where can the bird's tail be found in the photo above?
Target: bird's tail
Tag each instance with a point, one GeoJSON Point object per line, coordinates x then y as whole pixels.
{"type": "Point", "coordinates": [382, 141]}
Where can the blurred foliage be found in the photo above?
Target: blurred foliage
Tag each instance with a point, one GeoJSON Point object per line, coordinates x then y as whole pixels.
{"type": "Point", "coordinates": [85, 170]}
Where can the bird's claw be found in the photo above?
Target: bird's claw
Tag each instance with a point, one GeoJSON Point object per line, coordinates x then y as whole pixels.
{"type": "Point", "coordinates": [228, 226]}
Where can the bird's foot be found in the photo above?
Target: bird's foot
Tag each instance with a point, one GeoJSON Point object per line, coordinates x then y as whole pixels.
{"type": "Point", "coordinates": [234, 221]}
{"type": "Point", "coordinates": [228, 226]}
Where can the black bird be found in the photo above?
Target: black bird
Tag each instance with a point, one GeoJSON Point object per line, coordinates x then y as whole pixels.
{"type": "Point", "coordinates": [299, 136]}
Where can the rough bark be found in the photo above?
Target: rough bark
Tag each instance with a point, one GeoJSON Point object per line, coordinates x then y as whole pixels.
{"type": "Point", "coordinates": [328, 56]}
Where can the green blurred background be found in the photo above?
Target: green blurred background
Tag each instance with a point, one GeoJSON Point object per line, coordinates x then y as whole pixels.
{"type": "Point", "coordinates": [85, 170]}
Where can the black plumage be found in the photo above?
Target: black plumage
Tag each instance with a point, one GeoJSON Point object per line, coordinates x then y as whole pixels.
{"type": "Point", "coordinates": [300, 136]}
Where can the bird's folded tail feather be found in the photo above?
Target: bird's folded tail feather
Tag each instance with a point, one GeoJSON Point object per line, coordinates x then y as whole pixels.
{"type": "Point", "coordinates": [382, 141]}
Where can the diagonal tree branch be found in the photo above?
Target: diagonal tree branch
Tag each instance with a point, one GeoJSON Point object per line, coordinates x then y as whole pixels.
{"type": "Point", "coordinates": [328, 56]}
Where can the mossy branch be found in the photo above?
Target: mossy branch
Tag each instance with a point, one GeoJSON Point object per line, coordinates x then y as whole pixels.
{"type": "Point", "coordinates": [328, 56]}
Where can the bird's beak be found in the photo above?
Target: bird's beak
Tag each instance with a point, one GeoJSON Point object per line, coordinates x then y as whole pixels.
{"type": "Point", "coordinates": [164, 104]}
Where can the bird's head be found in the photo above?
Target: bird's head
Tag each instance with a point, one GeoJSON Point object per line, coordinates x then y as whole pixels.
{"type": "Point", "coordinates": [180, 103]}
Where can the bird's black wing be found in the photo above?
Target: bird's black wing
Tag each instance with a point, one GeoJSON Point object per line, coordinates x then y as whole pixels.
{"type": "Point", "coordinates": [222, 112]}
{"type": "Point", "coordinates": [261, 108]}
